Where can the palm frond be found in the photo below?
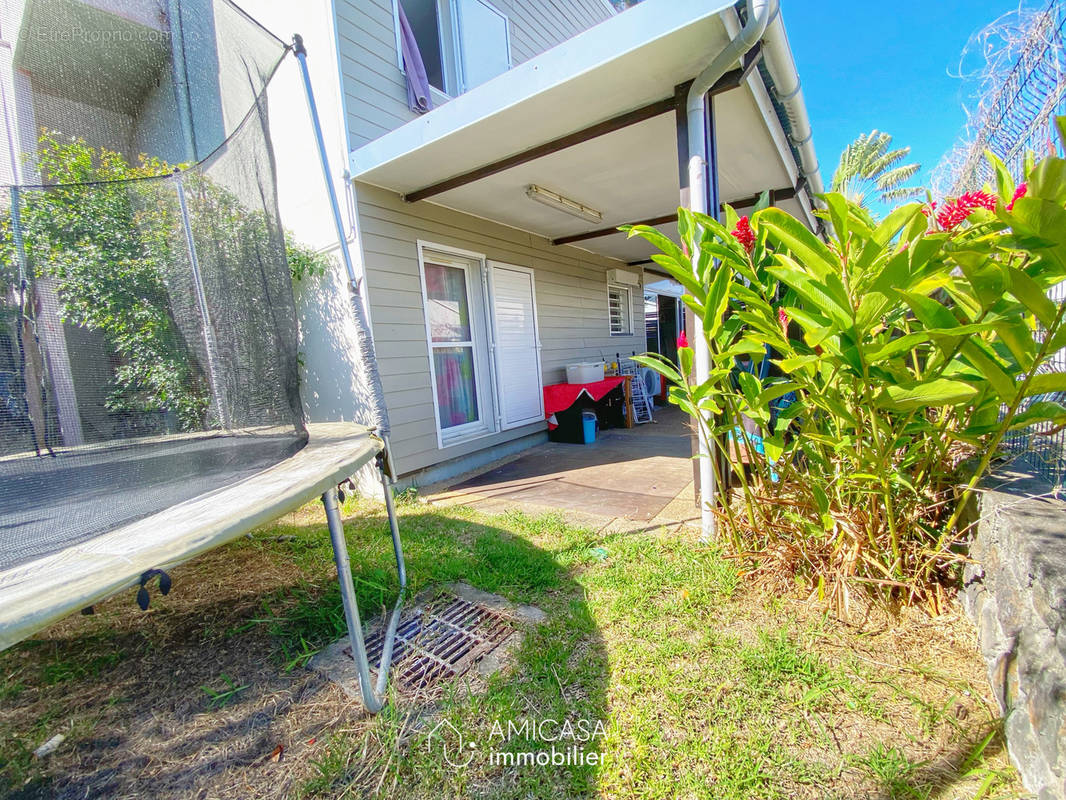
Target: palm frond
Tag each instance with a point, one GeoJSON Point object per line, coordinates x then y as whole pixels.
{"type": "Point", "coordinates": [897, 176]}
{"type": "Point", "coordinates": [902, 193]}
{"type": "Point", "coordinates": [887, 160]}
{"type": "Point", "coordinates": [870, 167]}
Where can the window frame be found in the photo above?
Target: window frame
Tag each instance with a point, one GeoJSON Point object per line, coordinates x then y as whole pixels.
{"type": "Point", "coordinates": [451, 55]}
{"type": "Point", "coordinates": [460, 68]}
{"type": "Point", "coordinates": [436, 95]}
{"type": "Point", "coordinates": [474, 265]}
{"type": "Point", "coordinates": [628, 305]}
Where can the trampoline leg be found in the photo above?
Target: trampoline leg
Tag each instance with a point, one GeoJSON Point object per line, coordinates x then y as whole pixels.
{"type": "Point", "coordinates": [390, 508]}
{"type": "Point", "coordinates": [373, 695]}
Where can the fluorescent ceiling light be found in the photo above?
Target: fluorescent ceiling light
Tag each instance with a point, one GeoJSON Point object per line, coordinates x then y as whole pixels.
{"type": "Point", "coordinates": [560, 203]}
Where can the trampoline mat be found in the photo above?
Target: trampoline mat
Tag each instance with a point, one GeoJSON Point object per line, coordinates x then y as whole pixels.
{"type": "Point", "coordinates": [48, 504]}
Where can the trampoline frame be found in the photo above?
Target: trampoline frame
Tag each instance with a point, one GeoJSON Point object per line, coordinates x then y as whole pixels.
{"type": "Point", "coordinates": [373, 696]}
{"type": "Point", "coordinates": [35, 594]}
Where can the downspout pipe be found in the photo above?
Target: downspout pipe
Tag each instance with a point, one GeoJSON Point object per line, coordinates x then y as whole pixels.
{"type": "Point", "coordinates": [700, 179]}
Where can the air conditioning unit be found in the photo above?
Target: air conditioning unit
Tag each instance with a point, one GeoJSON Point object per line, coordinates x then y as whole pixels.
{"type": "Point", "coordinates": [624, 277]}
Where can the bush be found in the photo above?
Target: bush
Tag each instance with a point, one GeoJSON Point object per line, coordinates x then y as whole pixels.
{"type": "Point", "coordinates": [112, 241]}
{"type": "Point", "coordinates": [900, 354]}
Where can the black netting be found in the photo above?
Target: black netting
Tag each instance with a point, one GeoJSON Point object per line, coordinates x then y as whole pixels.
{"type": "Point", "coordinates": [147, 328]}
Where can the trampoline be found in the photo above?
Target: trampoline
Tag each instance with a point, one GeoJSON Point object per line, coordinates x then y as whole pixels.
{"type": "Point", "coordinates": [150, 405]}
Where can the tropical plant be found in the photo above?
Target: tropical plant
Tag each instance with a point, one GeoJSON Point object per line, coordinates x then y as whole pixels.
{"type": "Point", "coordinates": [870, 169]}
{"type": "Point", "coordinates": [901, 353]}
{"type": "Point", "coordinates": [304, 260]}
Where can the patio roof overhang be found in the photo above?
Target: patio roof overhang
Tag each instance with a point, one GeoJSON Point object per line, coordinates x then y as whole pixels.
{"type": "Point", "coordinates": [595, 119]}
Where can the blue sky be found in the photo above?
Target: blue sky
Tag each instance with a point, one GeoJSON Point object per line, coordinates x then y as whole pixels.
{"type": "Point", "coordinates": [866, 64]}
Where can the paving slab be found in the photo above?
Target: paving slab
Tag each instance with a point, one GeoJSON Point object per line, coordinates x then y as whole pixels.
{"type": "Point", "coordinates": [629, 479]}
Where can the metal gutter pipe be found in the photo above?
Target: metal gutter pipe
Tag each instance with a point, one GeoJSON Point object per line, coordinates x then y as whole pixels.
{"type": "Point", "coordinates": [777, 55]}
{"type": "Point", "coordinates": [703, 175]}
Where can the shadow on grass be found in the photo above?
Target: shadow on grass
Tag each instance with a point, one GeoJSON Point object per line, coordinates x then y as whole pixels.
{"type": "Point", "coordinates": [900, 778]}
{"type": "Point", "coordinates": [137, 695]}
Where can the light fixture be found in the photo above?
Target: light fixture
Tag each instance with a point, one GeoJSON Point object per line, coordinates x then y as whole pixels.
{"type": "Point", "coordinates": [560, 203]}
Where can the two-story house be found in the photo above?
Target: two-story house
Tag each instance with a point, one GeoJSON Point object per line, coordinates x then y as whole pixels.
{"type": "Point", "coordinates": [485, 152]}
{"type": "Point", "coordinates": [485, 227]}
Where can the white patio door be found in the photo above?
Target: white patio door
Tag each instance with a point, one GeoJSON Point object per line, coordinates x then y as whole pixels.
{"type": "Point", "coordinates": [459, 360]}
{"type": "Point", "coordinates": [517, 345]}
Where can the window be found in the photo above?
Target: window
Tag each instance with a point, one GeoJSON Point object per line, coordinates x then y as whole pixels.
{"type": "Point", "coordinates": [431, 24]}
{"type": "Point", "coordinates": [463, 43]}
{"type": "Point", "coordinates": [485, 49]}
{"type": "Point", "coordinates": [620, 310]}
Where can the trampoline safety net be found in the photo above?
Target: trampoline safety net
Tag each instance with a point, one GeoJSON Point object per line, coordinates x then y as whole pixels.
{"type": "Point", "coordinates": [148, 344]}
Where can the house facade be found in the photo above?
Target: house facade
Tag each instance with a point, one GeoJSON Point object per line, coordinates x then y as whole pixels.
{"type": "Point", "coordinates": [484, 228]}
{"type": "Point", "coordinates": [470, 317]}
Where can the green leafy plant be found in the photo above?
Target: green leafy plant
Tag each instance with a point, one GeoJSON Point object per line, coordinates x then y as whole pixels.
{"type": "Point", "coordinates": [105, 232]}
{"type": "Point", "coordinates": [219, 698]}
{"type": "Point", "coordinates": [108, 233]}
{"type": "Point", "coordinates": [901, 352]}
{"type": "Point", "coordinates": [304, 261]}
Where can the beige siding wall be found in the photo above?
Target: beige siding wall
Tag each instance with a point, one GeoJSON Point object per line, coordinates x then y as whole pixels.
{"type": "Point", "coordinates": [571, 288]}
{"type": "Point", "coordinates": [375, 94]}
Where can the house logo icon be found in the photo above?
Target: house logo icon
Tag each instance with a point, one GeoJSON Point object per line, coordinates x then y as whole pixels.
{"type": "Point", "coordinates": [447, 740]}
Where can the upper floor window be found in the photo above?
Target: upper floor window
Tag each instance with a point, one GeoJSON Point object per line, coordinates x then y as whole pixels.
{"type": "Point", "coordinates": [463, 43]}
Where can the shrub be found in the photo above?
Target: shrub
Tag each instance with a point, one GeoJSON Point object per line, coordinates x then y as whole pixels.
{"type": "Point", "coordinates": [900, 353]}
{"type": "Point", "coordinates": [112, 241]}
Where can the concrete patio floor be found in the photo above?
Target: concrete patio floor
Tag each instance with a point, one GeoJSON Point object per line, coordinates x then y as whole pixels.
{"type": "Point", "coordinates": [628, 479]}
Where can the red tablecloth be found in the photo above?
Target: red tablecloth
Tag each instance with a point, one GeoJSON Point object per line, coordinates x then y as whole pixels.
{"type": "Point", "coordinates": [559, 396]}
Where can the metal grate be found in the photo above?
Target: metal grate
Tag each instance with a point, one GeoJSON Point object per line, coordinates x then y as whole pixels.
{"type": "Point", "coordinates": [440, 641]}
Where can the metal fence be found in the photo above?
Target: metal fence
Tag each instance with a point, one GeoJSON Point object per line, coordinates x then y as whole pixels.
{"type": "Point", "coordinates": [1020, 90]}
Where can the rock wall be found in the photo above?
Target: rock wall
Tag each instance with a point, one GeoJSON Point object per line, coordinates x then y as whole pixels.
{"type": "Point", "coordinates": [1015, 591]}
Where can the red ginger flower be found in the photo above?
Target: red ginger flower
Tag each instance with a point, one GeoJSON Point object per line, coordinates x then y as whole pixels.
{"type": "Point", "coordinates": [744, 234]}
{"type": "Point", "coordinates": [782, 318]}
{"type": "Point", "coordinates": [682, 340]}
{"type": "Point", "coordinates": [1018, 193]}
{"type": "Point", "coordinates": [957, 210]}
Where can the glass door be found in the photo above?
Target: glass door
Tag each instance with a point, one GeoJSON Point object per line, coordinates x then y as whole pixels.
{"type": "Point", "coordinates": [454, 326]}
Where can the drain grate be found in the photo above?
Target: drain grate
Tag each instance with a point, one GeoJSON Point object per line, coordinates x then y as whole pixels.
{"type": "Point", "coordinates": [439, 641]}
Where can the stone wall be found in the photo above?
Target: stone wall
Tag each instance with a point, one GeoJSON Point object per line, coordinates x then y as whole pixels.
{"type": "Point", "coordinates": [1015, 591]}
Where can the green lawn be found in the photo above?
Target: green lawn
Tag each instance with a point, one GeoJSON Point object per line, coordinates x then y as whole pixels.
{"type": "Point", "coordinates": [703, 685]}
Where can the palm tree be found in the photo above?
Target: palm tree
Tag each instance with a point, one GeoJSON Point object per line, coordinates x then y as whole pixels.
{"type": "Point", "coordinates": [868, 166]}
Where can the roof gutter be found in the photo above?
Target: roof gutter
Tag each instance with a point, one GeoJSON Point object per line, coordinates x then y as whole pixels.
{"type": "Point", "coordinates": [777, 56]}
{"type": "Point", "coordinates": [759, 14]}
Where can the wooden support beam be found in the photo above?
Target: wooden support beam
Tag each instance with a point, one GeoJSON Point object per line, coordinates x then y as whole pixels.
{"type": "Point", "coordinates": [744, 202]}
{"type": "Point", "coordinates": [555, 145]}
{"type": "Point", "coordinates": [580, 237]}
{"type": "Point", "coordinates": [730, 80]}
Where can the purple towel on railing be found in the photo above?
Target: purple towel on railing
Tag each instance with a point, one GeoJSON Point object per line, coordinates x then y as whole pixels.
{"type": "Point", "coordinates": [418, 97]}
